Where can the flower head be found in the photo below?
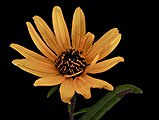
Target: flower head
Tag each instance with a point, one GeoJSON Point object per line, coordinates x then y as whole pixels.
{"type": "Point", "coordinates": [66, 61]}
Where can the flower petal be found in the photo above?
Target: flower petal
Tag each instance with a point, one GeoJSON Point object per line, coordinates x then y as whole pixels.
{"type": "Point", "coordinates": [37, 65]}
{"type": "Point", "coordinates": [106, 37]}
{"type": "Point", "coordinates": [105, 45]}
{"type": "Point", "coordinates": [105, 65]}
{"type": "Point", "coordinates": [66, 90]}
{"type": "Point", "coordinates": [28, 53]}
{"type": "Point", "coordinates": [86, 42]}
{"type": "Point", "coordinates": [39, 43]}
{"type": "Point", "coordinates": [92, 64]}
{"type": "Point", "coordinates": [78, 27]}
{"type": "Point", "coordinates": [49, 80]}
{"type": "Point", "coordinates": [81, 87]}
{"type": "Point", "coordinates": [37, 68]}
{"type": "Point", "coordinates": [47, 34]}
{"type": "Point", "coordinates": [60, 28]}
{"type": "Point", "coordinates": [97, 83]}
{"type": "Point", "coordinates": [108, 48]}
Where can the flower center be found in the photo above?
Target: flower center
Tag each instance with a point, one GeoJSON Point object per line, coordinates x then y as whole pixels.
{"type": "Point", "coordinates": [71, 62]}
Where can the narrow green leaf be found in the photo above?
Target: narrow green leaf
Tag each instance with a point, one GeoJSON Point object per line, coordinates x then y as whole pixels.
{"type": "Point", "coordinates": [52, 91]}
{"type": "Point", "coordinates": [81, 111]}
{"type": "Point", "coordinates": [108, 101]}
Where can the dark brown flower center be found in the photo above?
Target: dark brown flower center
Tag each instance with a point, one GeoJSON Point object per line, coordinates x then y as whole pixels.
{"type": "Point", "coordinates": [71, 62]}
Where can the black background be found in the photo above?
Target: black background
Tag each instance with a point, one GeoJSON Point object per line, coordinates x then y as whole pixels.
{"type": "Point", "coordinates": [20, 100]}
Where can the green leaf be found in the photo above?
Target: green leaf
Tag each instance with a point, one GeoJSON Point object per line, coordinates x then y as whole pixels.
{"type": "Point", "coordinates": [81, 111]}
{"type": "Point", "coordinates": [108, 101]}
{"type": "Point", "coordinates": [52, 91]}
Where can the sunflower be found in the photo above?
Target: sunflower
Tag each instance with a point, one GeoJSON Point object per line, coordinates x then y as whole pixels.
{"type": "Point", "coordinates": [67, 61]}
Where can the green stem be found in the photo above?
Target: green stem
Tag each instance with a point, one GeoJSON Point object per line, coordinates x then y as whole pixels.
{"type": "Point", "coordinates": [72, 107]}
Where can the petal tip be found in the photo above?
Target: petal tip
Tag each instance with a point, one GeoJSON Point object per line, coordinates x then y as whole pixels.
{"type": "Point", "coordinates": [14, 62]}
{"type": "Point", "coordinates": [35, 84]}
{"type": "Point", "coordinates": [66, 100]}
{"type": "Point", "coordinates": [78, 8]}
{"type": "Point", "coordinates": [115, 30]}
{"type": "Point", "coordinates": [35, 17]}
{"type": "Point", "coordinates": [28, 24]}
{"type": "Point", "coordinates": [12, 45]}
{"type": "Point", "coordinates": [110, 88]}
{"type": "Point", "coordinates": [87, 96]}
{"type": "Point", "coordinates": [69, 103]}
{"type": "Point", "coordinates": [121, 59]}
{"type": "Point", "coordinates": [57, 8]}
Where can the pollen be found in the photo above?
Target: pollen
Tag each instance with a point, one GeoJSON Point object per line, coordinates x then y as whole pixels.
{"type": "Point", "coordinates": [71, 62]}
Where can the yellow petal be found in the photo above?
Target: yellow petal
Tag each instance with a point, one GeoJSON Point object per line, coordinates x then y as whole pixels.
{"type": "Point", "coordinates": [60, 28]}
{"type": "Point", "coordinates": [37, 66]}
{"type": "Point", "coordinates": [104, 39]}
{"type": "Point", "coordinates": [49, 80]}
{"type": "Point", "coordinates": [92, 64]}
{"type": "Point", "coordinates": [86, 42]}
{"type": "Point", "coordinates": [78, 27]}
{"type": "Point", "coordinates": [108, 48]}
{"type": "Point", "coordinates": [105, 45]}
{"type": "Point", "coordinates": [105, 65]}
{"type": "Point", "coordinates": [66, 90]}
{"type": "Point", "coordinates": [47, 34]}
{"type": "Point", "coordinates": [39, 43]}
{"type": "Point", "coordinates": [30, 69]}
{"type": "Point", "coordinates": [97, 83]}
{"type": "Point", "coordinates": [81, 87]}
{"type": "Point", "coordinates": [28, 53]}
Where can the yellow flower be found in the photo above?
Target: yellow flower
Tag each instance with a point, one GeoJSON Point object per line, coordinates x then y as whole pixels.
{"type": "Point", "coordinates": [66, 62]}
